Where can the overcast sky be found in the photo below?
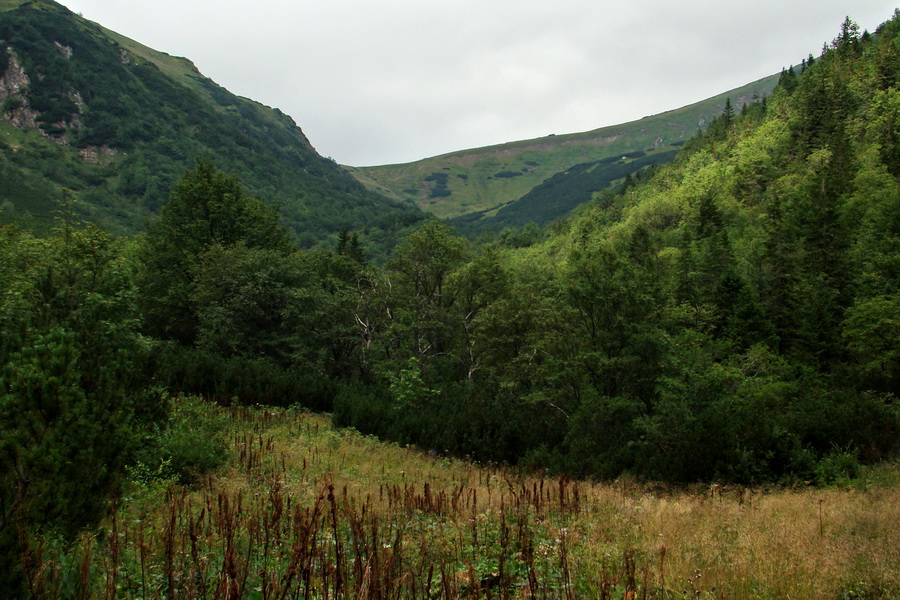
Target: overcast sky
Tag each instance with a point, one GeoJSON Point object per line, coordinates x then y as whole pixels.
{"type": "Point", "coordinates": [398, 80]}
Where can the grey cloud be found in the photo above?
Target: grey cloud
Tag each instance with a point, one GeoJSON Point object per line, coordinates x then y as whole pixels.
{"type": "Point", "coordinates": [399, 80]}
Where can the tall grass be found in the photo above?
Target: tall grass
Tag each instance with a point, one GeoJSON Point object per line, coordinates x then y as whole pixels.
{"type": "Point", "coordinates": [307, 511]}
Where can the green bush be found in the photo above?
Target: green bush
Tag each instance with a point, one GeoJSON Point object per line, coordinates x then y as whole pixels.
{"type": "Point", "coordinates": [839, 466]}
{"type": "Point", "coordinates": [11, 104]}
{"type": "Point", "coordinates": [192, 443]}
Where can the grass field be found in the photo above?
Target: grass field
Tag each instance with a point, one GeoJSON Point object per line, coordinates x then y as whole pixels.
{"type": "Point", "coordinates": [303, 510]}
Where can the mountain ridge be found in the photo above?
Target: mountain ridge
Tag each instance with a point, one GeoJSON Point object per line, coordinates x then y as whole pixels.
{"type": "Point", "coordinates": [113, 124]}
{"type": "Point", "coordinates": [485, 179]}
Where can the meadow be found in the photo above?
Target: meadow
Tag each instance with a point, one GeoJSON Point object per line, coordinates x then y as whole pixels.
{"type": "Point", "coordinates": [301, 509]}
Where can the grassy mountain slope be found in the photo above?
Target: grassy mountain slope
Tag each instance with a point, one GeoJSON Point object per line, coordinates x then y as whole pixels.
{"type": "Point", "coordinates": [110, 124]}
{"type": "Point", "coordinates": [485, 179]}
{"type": "Point", "coordinates": [561, 193]}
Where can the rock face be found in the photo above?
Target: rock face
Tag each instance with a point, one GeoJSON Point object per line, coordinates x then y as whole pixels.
{"type": "Point", "coordinates": [16, 109]}
{"type": "Point", "coordinates": [64, 50]}
{"type": "Point", "coordinates": [97, 155]}
{"type": "Point", "coordinates": [13, 100]}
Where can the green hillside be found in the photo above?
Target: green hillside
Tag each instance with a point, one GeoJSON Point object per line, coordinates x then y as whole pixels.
{"type": "Point", "coordinates": [731, 316]}
{"type": "Point", "coordinates": [108, 125]}
{"type": "Point", "coordinates": [727, 322]}
{"type": "Point", "coordinates": [482, 180]}
{"type": "Point", "coordinates": [558, 195]}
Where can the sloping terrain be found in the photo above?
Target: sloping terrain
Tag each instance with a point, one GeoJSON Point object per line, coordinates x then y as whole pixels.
{"type": "Point", "coordinates": [94, 119]}
{"type": "Point", "coordinates": [479, 181]}
{"type": "Point", "coordinates": [561, 193]}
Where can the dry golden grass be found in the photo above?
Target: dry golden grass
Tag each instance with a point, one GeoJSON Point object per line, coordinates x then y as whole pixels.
{"type": "Point", "coordinates": [764, 544]}
{"type": "Point", "coordinates": [744, 542]}
{"type": "Point", "coordinates": [385, 521]}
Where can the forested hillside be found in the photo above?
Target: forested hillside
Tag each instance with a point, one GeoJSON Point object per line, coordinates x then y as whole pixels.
{"type": "Point", "coordinates": [733, 318]}
{"type": "Point", "coordinates": [97, 120]}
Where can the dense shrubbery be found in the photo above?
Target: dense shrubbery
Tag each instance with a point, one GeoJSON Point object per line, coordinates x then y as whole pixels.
{"type": "Point", "coordinates": [69, 351]}
{"type": "Point", "coordinates": [97, 332]}
{"type": "Point", "coordinates": [187, 442]}
{"type": "Point", "coordinates": [231, 379]}
{"type": "Point", "coordinates": [439, 189]}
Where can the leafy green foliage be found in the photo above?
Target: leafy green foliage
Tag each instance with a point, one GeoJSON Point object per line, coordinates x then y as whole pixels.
{"type": "Point", "coordinates": [730, 315]}
{"type": "Point", "coordinates": [220, 279]}
{"type": "Point", "coordinates": [188, 443]}
{"type": "Point", "coordinates": [70, 352]}
{"type": "Point", "coordinates": [727, 315]}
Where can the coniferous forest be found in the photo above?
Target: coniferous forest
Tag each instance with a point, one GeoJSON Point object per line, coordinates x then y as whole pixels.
{"type": "Point", "coordinates": [732, 317]}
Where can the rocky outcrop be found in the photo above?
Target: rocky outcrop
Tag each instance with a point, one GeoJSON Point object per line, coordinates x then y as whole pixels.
{"type": "Point", "coordinates": [97, 155]}
{"type": "Point", "coordinates": [64, 50]}
{"type": "Point", "coordinates": [13, 100]}
{"type": "Point", "coordinates": [16, 109]}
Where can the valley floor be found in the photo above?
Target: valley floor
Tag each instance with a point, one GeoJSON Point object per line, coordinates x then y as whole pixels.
{"type": "Point", "coordinates": [303, 510]}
